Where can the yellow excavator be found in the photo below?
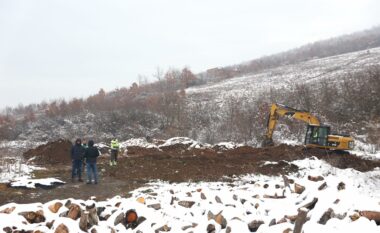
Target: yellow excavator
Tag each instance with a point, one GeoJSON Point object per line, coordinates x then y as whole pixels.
{"type": "Point", "coordinates": [317, 135]}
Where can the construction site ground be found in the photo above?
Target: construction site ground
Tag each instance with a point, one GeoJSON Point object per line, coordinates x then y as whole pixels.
{"type": "Point", "coordinates": [172, 165]}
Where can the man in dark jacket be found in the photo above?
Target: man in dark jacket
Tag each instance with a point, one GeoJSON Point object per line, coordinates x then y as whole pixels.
{"type": "Point", "coordinates": [91, 155]}
{"type": "Point", "coordinates": [77, 154]}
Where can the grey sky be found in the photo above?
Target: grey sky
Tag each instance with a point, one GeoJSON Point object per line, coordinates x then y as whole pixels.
{"type": "Point", "coordinates": [51, 49]}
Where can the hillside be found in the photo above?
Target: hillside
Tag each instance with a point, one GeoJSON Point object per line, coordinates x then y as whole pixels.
{"type": "Point", "coordinates": [342, 90]}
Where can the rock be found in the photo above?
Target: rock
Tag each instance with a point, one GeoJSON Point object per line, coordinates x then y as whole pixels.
{"type": "Point", "coordinates": [257, 205]}
{"type": "Point", "coordinates": [7, 230]}
{"type": "Point", "coordinates": [254, 225]}
{"type": "Point", "coordinates": [93, 218]}
{"type": "Point", "coordinates": [199, 190]}
{"type": "Point", "coordinates": [141, 200]}
{"type": "Point", "coordinates": [210, 228]}
{"type": "Point", "coordinates": [242, 201]}
{"type": "Point", "coordinates": [272, 222]}
{"type": "Point", "coordinates": [119, 219]}
{"type": "Point", "coordinates": [298, 188]}
{"type": "Point", "coordinates": [326, 216]}
{"type": "Point", "coordinates": [315, 178]}
{"type": "Point", "coordinates": [118, 204]}
{"type": "Point", "coordinates": [341, 186]}
{"type": "Point", "coordinates": [266, 186]}
{"type": "Point", "coordinates": [371, 215]}
{"type": "Point", "coordinates": [184, 228]}
{"type": "Point", "coordinates": [281, 221]}
{"type": "Point", "coordinates": [164, 228]}
{"type": "Point", "coordinates": [186, 204]}
{"type": "Point", "coordinates": [74, 212]}
{"type": "Point", "coordinates": [310, 205]}
{"type": "Point", "coordinates": [322, 186]}
{"type": "Point", "coordinates": [68, 204]}
{"type": "Point", "coordinates": [61, 229]}
{"type": "Point", "coordinates": [55, 207]}
{"type": "Point", "coordinates": [50, 224]}
{"type": "Point", "coordinates": [100, 210]}
{"type": "Point", "coordinates": [218, 200]}
{"type": "Point", "coordinates": [188, 194]}
{"type": "Point", "coordinates": [140, 220]}
{"type": "Point", "coordinates": [203, 196]}
{"type": "Point", "coordinates": [155, 206]}
{"type": "Point", "coordinates": [277, 186]}
{"type": "Point", "coordinates": [171, 191]}
{"type": "Point", "coordinates": [336, 201]}
{"type": "Point", "coordinates": [83, 221]}
{"type": "Point", "coordinates": [292, 218]}
{"type": "Point", "coordinates": [8, 210]}
{"type": "Point", "coordinates": [235, 197]}
{"type": "Point", "coordinates": [300, 221]}
{"type": "Point", "coordinates": [218, 218]}
{"type": "Point", "coordinates": [33, 217]}
{"type": "Point", "coordinates": [228, 230]}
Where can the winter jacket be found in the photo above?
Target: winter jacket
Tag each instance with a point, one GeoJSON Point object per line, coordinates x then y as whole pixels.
{"type": "Point", "coordinates": [77, 152]}
{"type": "Point", "coordinates": [91, 154]}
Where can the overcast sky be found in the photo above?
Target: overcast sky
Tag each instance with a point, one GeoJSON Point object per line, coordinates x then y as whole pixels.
{"type": "Point", "coordinates": [53, 49]}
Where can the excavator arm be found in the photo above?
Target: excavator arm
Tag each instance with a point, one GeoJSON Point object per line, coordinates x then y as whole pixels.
{"type": "Point", "coordinates": [278, 110]}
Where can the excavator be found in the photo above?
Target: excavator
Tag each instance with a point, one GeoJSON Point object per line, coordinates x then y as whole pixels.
{"type": "Point", "coordinates": [317, 135]}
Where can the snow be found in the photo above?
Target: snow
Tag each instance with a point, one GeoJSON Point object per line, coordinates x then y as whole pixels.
{"type": "Point", "coordinates": [14, 169]}
{"type": "Point", "coordinates": [184, 141]}
{"type": "Point", "coordinates": [19, 144]}
{"type": "Point", "coordinates": [226, 145]}
{"type": "Point", "coordinates": [244, 199]}
{"type": "Point", "coordinates": [366, 150]}
{"type": "Point", "coordinates": [26, 182]}
{"type": "Point", "coordinates": [138, 142]}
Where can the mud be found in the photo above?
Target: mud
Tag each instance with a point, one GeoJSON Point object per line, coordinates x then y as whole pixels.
{"type": "Point", "coordinates": [174, 164]}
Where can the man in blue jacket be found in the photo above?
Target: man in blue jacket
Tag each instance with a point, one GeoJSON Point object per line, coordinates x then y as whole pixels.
{"type": "Point", "coordinates": [77, 154]}
{"type": "Point", "coordinates": [91, 155]}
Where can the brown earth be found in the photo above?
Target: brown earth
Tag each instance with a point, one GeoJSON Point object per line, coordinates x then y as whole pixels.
{"type": "Point", "coordinates": [51, 153]}
{"type": "Point", "coordinates": [174, 164]}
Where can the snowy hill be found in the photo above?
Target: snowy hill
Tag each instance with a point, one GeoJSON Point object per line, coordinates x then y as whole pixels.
{"type": "Point", "coordinates": [310, 72]}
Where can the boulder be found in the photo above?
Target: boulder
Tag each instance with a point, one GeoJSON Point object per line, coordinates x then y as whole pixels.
{"type": "Point", "coordinates": [298, 188]}
{"type": "Point", "coordinates": [62, 228]}
{"type": "Point", "coordinates": [186, 204]}
{"type": "Point", "coordinates": [55, 207]}
{"type": "Point", "coordinates": [74, 211]}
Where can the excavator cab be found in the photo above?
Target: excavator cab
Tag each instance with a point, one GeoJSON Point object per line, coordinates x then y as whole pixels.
{"type": "Point", "coordinates": [317, 135]}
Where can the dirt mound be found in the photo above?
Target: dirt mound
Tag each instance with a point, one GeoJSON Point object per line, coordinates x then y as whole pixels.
{"type": "Point", "coordinates": [142, 151]}
{"type": "Point", "coordinates": [57, 152]}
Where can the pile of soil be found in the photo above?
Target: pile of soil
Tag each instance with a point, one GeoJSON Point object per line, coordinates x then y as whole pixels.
{"type": "Point", "coordinates": [57, 152]}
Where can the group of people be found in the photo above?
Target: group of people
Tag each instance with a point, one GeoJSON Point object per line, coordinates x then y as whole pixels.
{"type": "Point", "coordinates": [87, 154]}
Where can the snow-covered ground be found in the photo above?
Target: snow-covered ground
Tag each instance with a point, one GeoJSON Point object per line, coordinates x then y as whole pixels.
{"type": "Point", "coordinates": [248, 201]}
{"type": "Point", "coordinates": [313, 71]}
{"type": "Point", "coordinates": [25, 182]}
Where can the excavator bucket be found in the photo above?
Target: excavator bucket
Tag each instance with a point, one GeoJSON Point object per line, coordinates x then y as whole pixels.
{"type": "Point", "coordinates": [267, 142]}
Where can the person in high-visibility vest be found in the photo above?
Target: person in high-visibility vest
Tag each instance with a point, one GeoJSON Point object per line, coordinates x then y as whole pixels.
{"type": "Point", "coordinates": [114, 151]}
